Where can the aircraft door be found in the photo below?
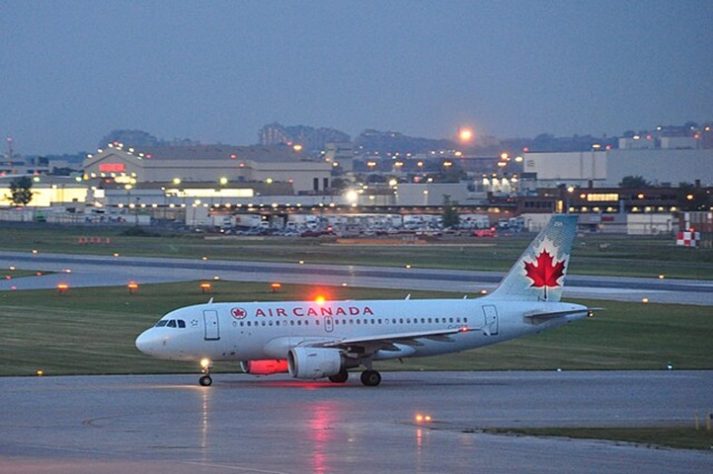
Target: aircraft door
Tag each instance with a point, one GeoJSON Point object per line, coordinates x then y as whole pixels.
{"type": "Point", "coordinates": [490, 312]}
{"type": "Point", "coordinates": [212, 326]}
{"type": "Point", "coordinates": [328, 324]}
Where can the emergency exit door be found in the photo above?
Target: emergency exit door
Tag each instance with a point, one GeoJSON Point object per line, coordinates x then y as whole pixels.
{"type": "Point", "coordinates": [212, 326]}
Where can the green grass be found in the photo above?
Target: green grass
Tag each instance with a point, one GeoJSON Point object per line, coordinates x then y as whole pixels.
{"type": "Point", "coordinates": [593, 254]}
{"type": "Point", "coordinates": [674, 437]}
{"type": "Point", "coordinates": [92, 331]}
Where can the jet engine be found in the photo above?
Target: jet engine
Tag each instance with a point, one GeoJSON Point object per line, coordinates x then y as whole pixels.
{"type": "Point", "coordinates": [264, 367]}
{"type": "Point", "coordinates": [314, 362]}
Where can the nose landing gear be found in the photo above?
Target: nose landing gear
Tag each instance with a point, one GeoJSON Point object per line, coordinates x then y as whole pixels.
{"type": "Point", "coordinates": [205, 380]}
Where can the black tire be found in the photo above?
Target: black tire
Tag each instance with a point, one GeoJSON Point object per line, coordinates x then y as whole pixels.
{"type": "Point", "coordinates": [205, 381]}
{"type": "Point", "coordinates": [341, 377]}
{"type": "Point", "coordinates": [370, 378]}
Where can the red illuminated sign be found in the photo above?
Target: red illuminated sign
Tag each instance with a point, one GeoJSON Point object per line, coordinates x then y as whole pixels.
{"type": "Point", "coordinates": [112, 167]}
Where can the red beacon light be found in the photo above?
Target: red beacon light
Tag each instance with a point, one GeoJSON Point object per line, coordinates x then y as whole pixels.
{"type": "Point", "coordinates": [320, 299]}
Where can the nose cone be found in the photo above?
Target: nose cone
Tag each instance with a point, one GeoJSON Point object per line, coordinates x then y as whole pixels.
{"type": "Point", "coordinates": [147, 342]}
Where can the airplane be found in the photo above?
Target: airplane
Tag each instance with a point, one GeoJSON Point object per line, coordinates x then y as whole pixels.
{"type": "Point", "coordinates": [324, 339]}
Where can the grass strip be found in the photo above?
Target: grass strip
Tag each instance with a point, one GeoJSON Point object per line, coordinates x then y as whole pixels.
{"type": "Point", "coordinates": [672, 437]}
{"type": "Point", "coordinates": [92, 331]}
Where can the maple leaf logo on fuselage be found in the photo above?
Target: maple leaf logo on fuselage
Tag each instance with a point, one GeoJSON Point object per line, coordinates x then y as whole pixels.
{"type": "Point", "coordinates": [544, 271]}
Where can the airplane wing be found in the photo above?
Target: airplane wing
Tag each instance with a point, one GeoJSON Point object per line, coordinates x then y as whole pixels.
{"type": "Point", "coordinates": [370, 344]}
{"type": "Point", "coordinates": [538, 318]}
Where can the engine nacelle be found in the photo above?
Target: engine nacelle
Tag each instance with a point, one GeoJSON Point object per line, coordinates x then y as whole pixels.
{"type": "Point", "coordinates": [264, 367]}
{"type": "Point", "coordinates": [313, 362]}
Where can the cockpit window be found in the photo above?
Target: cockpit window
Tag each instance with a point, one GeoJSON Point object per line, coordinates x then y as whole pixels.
{"type": "Point", "coordinates": [161, 323]}
{"type": "Point", "coordinates": [181, 323]}
{"type": "Point", "coordinates": [172, 323]}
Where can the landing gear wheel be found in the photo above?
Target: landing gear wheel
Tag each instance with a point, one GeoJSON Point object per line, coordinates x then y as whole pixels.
{"type": "Point", "coordinates": [205, 381]}
{"type": "Point", "coordinates": [341, 377]}
{"type": "Point", "coordinates": [370, 378]}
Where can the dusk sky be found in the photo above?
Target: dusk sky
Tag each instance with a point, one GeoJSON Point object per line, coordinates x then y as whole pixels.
{"type": "Point", "coordinates": [71, 71]}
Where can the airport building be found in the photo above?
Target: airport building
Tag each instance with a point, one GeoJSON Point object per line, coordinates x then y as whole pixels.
{"type": "Point", "coordinates": [607, 168]}
{"type": "Point", "coordinates": [220, 165]}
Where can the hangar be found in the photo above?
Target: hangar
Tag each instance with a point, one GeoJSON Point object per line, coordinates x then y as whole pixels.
{"type": "Point", "coordinates": [225, 165]}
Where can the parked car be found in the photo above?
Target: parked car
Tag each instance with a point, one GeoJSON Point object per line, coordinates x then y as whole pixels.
{"type": "Point", "coordinates": [489, 232]}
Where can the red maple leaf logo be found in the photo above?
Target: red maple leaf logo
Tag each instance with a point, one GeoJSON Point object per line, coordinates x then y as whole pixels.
{"type": "Point", "coordinates": [238, 313]}
{"type": "Point", "coordinates": [544, 272]}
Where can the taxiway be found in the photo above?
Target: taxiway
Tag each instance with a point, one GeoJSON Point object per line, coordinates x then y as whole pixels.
{"type": "Point", "coordinates": [89, 270]}
{"type": "Point", "coordinates": [168, 423]}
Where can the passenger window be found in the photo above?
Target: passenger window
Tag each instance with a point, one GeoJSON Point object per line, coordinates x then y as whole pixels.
{"type": "Point", "coordinates": [270, 323]}
{"type": "Point", "coordinates": [379, 321]}
{"type": "Point", "coordinates": [450, 320]}
{"type": "Point", "coordinates": [263, 323]}
{"type": "Point", "coordinates": [181, 323]}
{"type": "Point", "coordinates": [358, 321]}
{"type": "Point", "coordinates": [299, 323]}
{"type": "Point", "coordinates": [241, 324]}
{"type": "Point", "coordinates": [161, 324]}
{"type": "Point", "coordinates": [172, 323]}
{"type": "Point", "coordinates": [465, 320]}
{"type": "Point", "coordinates": [457, 320]}
{"type": "Point", "coordinates": [430, 320]}
{"type": "Point", "coordinates": [401, 321]}
{"type": "Point", "coordinates": [351, 321]}
{"type": "Point", "coordinates": [317, 322]}
{"type": "Point", "coordinates": [292, 322]}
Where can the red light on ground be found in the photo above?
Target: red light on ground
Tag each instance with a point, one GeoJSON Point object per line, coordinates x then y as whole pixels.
{"type": "Point", "coordinates": [233, 156]}
{"type": "Point", "coordinates": [39, 274]}
{"type": "Point", "coordinates": [275, 287]}
{"type": "Point", "coordinates": [62, 288]}
{"type": "Point", "coordinates": [133, 287]}
{"type": "Point", "coordinates": [206, 287]}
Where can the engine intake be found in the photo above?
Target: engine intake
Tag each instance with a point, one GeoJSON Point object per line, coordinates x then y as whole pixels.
{"type": "Point", "coordinates": [313, 362]}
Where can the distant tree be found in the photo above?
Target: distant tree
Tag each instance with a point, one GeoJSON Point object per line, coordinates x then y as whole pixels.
{"type": "Point", "coordinates": [20, 191]}
{"type": "Point", "coordinates": [633, 182]}
{"type": "Point", "coordinates": [451, 218]}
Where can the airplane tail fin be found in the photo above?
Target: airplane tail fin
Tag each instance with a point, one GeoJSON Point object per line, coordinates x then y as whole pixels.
{"type": "Point", "coordinates": [539, 273]}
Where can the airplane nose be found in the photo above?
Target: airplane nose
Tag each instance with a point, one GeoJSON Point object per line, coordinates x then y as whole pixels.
{"type": "Point", "coordinates": [145, 342]}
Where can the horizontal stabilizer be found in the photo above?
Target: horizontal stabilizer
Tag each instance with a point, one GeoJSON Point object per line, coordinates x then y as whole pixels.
{"type": "Point", "coordinates": [538, 318]}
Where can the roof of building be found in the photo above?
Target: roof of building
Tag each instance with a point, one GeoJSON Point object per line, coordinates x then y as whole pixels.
{"type": "Point", "coordinates": [277, 153]}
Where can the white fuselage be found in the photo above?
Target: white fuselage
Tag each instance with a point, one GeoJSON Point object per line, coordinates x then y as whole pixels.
{"type": "Point", "coordinates": [249, 331]}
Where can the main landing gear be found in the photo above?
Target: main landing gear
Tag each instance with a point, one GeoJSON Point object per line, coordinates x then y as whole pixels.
{"type": "Point", "coordinates": [371, 378]}
{"type": "Point", "coordinates": [205, 380]}
{"type": "Point", "coordinates": [341, 377]}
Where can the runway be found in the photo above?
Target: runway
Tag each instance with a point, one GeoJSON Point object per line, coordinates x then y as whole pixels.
{"type": "Point", "coordinates": [278, 425]}
{"type": "Point", "coordinates": [87, 270]}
